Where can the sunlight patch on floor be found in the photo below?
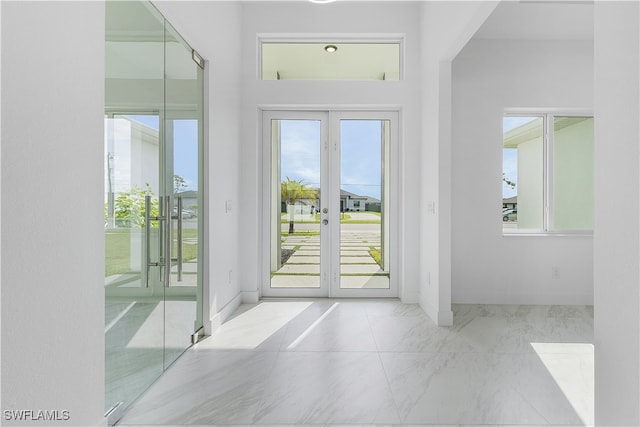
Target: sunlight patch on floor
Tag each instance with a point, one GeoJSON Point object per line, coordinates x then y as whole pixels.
{"type": "Point", "coordinates": [571, 365]}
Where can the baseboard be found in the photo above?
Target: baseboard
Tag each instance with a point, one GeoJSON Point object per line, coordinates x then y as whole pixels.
{"type": "Point", "coordinates": [250, 297]}
{"type": "Point", "coordinates": [220, 317]}
{"type": "Point", "coordinates": [439, 317]}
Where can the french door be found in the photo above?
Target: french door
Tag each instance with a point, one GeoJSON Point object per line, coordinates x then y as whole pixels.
{"type": "Point", "coordinates": [330, 192]}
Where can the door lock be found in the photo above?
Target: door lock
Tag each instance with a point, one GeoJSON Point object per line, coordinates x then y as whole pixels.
{"type": "Point", "coordinates": [325, 210]}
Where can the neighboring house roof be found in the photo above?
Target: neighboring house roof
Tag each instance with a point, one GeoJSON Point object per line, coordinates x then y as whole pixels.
{"type": "Point", "coordinates": [513, 199]}
{"type": "Point", "coordinates": [347, 195]}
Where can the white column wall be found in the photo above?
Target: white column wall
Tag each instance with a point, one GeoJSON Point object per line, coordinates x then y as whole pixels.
{"type": "Point", "coordinates": [214, 30]}
{"type": "Point", "coordinates": [489, 77]}
{"type": "Point", "coordinates": [446, 28]}
{"type": "Point", "coordinates": [52, 202]}
{"type": "Point", "coordinates": [617, 225]}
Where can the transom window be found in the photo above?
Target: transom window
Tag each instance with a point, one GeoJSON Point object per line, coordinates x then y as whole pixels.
{"type": "Point", "coordinates": [547, 173]}
{"type": "Point", "coordinates": [330, 60]}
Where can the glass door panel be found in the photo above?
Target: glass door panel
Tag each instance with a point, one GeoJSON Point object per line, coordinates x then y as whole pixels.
{"type": "Point", "coordinates": [183, 136]}
{"type": "Point", "coordinates": [296, 203]}
{"type": "Point", "coordinates": [134, 308]}
{"type": "Point", "coordinates": [153, 176]}
{"type": "Point", "coordinates": [134, 293]}
{"type": "Point", "coordinates": [364, 232]}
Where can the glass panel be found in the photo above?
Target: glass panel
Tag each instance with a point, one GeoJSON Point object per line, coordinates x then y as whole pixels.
{"type": "Point", "coordinates": [295, 218]}
{"type": "Point", "coordinates": [364, 258]}
{"type": "Point", "coordinates": [573, 173]}
{"type": "Point", "coordinates": [522, 173]}
{"type": "Point", "coordinates": [134, 308]}
{"type": "Point", "coordinates": [330, 61]}
{"type": "Point", "coordinates": [183, 118]}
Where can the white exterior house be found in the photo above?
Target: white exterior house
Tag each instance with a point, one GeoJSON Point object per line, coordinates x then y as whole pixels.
{"type": "Point", "coordinates": [352, 202]}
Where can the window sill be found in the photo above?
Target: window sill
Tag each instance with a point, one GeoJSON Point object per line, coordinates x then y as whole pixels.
{"type": "Point", "coordinates": [548, 234]}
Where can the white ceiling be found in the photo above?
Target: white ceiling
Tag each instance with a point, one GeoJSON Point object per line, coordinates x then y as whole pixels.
{"type": "Point", "coordinates": [539, 20]}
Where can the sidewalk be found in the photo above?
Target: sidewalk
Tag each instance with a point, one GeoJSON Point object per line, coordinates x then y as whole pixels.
{"type": "Point", "coordinates": [357, 268]}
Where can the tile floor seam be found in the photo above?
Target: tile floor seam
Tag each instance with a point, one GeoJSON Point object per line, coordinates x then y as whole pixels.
{"type": "Point", "coordinates": [265, 388]}
{"type": "Point", "coordinates": [386, 375]}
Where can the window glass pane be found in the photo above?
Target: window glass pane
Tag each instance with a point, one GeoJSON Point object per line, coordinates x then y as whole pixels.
{"type": "Point", "coordinates": [364, 212]}
{"type": "Point", "coordinates": [330, 61]}
{"type": "Point", "coordinates": [522, 173]}
{"type": "Point", "coordinates": [295, 192]}
{"type": "Point", "coordinates": [572, 173]}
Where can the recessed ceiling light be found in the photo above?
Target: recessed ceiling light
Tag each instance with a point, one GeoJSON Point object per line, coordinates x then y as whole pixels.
{"type": "Point", "coordinates": [330, 48]}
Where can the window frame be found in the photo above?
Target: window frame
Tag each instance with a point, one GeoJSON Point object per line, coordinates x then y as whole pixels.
{"type": "Point", "coordinates": [548, 135]}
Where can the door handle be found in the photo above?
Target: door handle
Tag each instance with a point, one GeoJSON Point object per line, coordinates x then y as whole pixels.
{"type": "Point", "coordinates": [162, 223]}
{"type": "Point", "coordinates": [325, 221]}
{"type": "Point", "coordinates": [167, 237]}
{"type": "Point", "coordinates": [147, 237]}
{"type": "Point", "coordinates": [179, 256]}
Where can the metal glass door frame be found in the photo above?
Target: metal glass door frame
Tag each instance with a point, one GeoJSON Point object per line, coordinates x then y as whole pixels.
{"type": "Point", "coordinates": [271, 154]}
{"type": "Point", "coordinates": [330, 198]}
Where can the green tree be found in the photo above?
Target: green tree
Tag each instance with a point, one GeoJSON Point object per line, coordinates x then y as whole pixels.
{"type": "Point", "coordinates": [506, 181]}
{"type": "Point", "coordinates": [129, 207]}
{"type": "Point", "coordinates": [179, 183]}
{"type": "Point", "coordinates": [293, 190]}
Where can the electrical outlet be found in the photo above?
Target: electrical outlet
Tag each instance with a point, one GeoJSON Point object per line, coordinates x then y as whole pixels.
{"type": "Point", "coordinates": [230, 276]}
{"type": "Point", "coordinates": [555, 272]}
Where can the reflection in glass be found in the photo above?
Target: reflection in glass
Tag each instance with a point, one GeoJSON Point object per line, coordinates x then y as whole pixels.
{"type": "Point", "coordinates": [153, 152]}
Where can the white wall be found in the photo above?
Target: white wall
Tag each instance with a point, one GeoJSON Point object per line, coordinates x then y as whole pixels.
{"type": "Point", "coordinates": [52, 153]}
{"type": "Point", "coordinates": [213, 29]}
{"type": "Point", "coordinates": [490, 76]}
{"type": "Point", "coordinates": [340, 18]}
{"type": "Point", "coordinates": [446, 27]}
{"type": "Point", "coordinates": [617, 235]}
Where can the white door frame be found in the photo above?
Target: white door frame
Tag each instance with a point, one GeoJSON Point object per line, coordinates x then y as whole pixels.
{"type": "Point", "coordinates": [330, 241]}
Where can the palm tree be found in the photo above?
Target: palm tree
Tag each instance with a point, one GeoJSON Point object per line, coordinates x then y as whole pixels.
{"type": "Point", "coordinates": [292, 191]}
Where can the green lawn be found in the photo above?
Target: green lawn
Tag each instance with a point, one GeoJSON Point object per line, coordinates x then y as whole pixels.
{"type": "Point", "coordinates": [344, 219]}
{"type": "Point", "coordinates": [118, 249]}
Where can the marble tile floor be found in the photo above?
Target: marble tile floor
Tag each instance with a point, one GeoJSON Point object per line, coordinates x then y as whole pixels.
{"type": "Point", "coordinates": [380, 362]}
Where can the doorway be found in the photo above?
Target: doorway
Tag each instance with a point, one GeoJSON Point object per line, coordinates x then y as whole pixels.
{"type": "Point", "coordinates": [330, 194]}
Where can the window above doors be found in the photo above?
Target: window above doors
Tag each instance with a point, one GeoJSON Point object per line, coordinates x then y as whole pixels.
{"type": "Point", "coordinates": [330, 58]}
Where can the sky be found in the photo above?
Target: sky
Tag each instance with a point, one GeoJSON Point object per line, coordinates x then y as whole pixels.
{"type": "Point", "coordinates": [360, 167]}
